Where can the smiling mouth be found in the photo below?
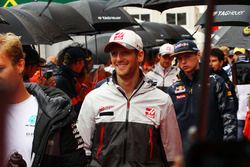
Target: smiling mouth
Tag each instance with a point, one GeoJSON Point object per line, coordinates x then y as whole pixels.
{"type": "Point", "coordinates": [121, 65]}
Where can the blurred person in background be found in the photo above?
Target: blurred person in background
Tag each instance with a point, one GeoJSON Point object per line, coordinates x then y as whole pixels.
{"type": "Point", "coordinates": [33, 68]}
{"type": "Point", "coordinates": [216, 63]}
{"type": "Point", "coordinates": [38, 118]}
{"type": "Point", "coordinates": [51, 63]}
{"type": "Point", "coordinates": [228, 67]}
{"type": "Point", "coordinates": [32, 62]}
{"type": "Point", "coordinates": [147, 66]}
{"type": "Point", "coordinates": [163, 73]}
{"type": "Point", "coordinates": [225, 51]}
{"type": "Point", "coordinates": [238, 52]}
{"type": "Point", "coordinates": [230, 56]}
{"type": "Point", "coordinates": [235, 55]}
{"type": "Point", "coordinates": [52, 59]}
{"type": "Point", "coordinates": [72, 63]}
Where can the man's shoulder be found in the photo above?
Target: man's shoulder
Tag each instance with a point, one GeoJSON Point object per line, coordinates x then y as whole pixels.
{"type": "Point", "coordinates": [102, 89]}
{"type": "Point", "coordinates": [161, 94]}
{"type": "Point", "coordinates": [155, 70]}
{"type": "Point", "coordinates": [177, 81]}
{"type": "Point", "coordinates": [49, 98]}
{"type": "Point", "coordinates": [216, 78]}
{"type": "Point", "coordinates": [152, 73]}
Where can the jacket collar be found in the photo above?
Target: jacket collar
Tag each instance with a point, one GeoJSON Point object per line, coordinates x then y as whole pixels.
{"type": "Point", "coordinates": [114, 76]}
{"type": "Point", "coordinates": [222, 73]}
{"type": "Point", "coordinates": [145, 84]}
{"type": "Point", "coordinates": [186, 80]}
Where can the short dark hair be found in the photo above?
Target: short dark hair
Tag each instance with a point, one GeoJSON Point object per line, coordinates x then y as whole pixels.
{"type": "Point", "coordinates": [71, 54]}
{"type": "Point", "coordinates": [31, 55]}
{"type": "Point", "coordinates": [216, 52]}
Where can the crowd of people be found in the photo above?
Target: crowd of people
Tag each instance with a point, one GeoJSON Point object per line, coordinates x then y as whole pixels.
{"type": "Point", "coordinates": [64, 113]}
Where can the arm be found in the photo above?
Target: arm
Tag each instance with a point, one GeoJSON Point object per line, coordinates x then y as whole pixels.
{"type": "Point", "coordinates": [226, 107]}
{"type": "Point", "coordinates": [170, 133]}
{"type": "Point", "coordinates": [86, 123]}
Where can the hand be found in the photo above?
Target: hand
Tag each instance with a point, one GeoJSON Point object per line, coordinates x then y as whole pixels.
{"type": "Point", "coordinates": [50, 82]}
{"type": "Point", "coordinates": [47, 82]}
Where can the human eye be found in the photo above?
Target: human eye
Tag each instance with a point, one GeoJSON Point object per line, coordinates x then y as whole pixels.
{"type": "Point", "coordinates": [1, 68]}
{"type": "Point", "coordinates": [178, 58]}
{"type": "Point", "coordinates": [114, 53]}
{"type": "Point", "coordinates": [126, 53]}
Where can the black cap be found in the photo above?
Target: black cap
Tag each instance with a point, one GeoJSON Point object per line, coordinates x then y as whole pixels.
{"type": "Point", "coordinates": [72, 54]}
{"type": "Point", "coordinates": [185, 46]}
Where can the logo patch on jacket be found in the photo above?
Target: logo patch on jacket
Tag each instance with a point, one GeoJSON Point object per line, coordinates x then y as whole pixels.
{"type": "Point", "coordinates": [150, 112]}
{"type": "Point", "coordinates": [180, 89]}
{"type": "Point", "coordinates": [181, 96]}
{"type": "Point", "coordinates": [229, 93]}
{"type": "Point", "coordinates": [105, 108]}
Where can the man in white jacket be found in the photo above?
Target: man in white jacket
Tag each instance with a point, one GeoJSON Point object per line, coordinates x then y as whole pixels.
{"type": "Point", "coordinates": [164, 74]}
{"type": "Point", "coordinates": [127, 121]}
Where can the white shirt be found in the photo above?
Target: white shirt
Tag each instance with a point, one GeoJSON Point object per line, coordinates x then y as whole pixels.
{"type": "Point", "coordinates": [20, 125]}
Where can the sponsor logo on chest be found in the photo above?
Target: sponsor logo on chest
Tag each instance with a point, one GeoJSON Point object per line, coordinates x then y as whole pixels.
{"type": "Point", "coordinates": [150, 112]}
{"type": "Point", "coordinates": [103, 108]}
{"type": "Point", "coordinates": [180, 89]}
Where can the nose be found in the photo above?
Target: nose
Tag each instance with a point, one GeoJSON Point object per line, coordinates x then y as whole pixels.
{"type": "Point", "coordinates": [119, 56]}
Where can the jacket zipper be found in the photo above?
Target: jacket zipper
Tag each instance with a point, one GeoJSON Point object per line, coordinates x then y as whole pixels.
{"type": "Point", "coordinates": [151, 143]}
{"type": "Point", "coordinates": [100, 144]}
{"type": "Point", "coordinates": [126, 131]}
{"type": "Point", "coordinates": [126, 120]}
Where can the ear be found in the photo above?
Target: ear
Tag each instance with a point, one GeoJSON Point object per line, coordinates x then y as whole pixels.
{"type": "Point", "coordinates": [140, 56]}
{"type": "Point", "coordinates": [20, 66]}
{"type": "Point", "coordinates": [158, 56]}
{"type": "Point", "coordinates": [198, 56]}
{"type": "Point", "coordinates": [221, 63]}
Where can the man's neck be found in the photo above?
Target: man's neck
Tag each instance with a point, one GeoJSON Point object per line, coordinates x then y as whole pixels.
{"type": "Point", "coordinates": [129, 84]}
{"type": "Point", "coordinates": [164, 68]}
{"type": "Point", "coordinates": [189, 75]}
{"type": "Point", "coordinates": [21, 94]}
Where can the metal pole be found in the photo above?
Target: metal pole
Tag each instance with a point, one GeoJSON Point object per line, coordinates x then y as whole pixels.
{"type": "Point", "coordinates": [96, 51]}
{"type": "Point", "coordinates": [204, 74]}
{"type": "Point", "coordinates": [86, 42]}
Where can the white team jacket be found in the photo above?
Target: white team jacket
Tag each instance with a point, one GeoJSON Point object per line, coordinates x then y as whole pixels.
{"type": "Point", "coordinates": [140, 131]}
{"type": "Point", "coordinates": [163, 80]}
